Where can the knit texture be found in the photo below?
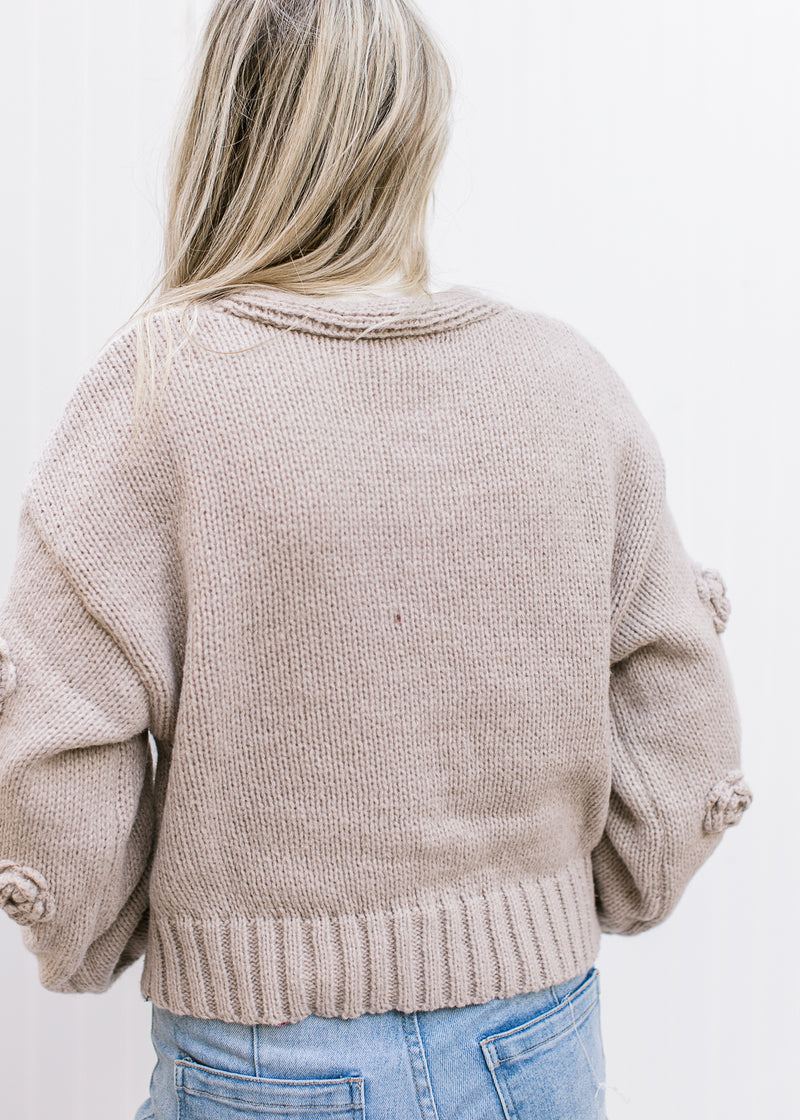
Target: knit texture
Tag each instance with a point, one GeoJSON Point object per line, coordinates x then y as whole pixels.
{"type": "Point", "coordinates": [377, 677]}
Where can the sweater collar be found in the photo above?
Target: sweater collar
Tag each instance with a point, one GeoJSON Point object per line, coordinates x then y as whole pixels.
{"type": "Point", "coordinates": [384, 316]}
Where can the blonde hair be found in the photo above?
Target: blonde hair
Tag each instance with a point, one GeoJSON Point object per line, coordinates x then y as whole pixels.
{"type": "Point", "coordinates": [305, 156]}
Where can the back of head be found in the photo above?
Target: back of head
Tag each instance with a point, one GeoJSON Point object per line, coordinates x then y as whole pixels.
{"type": "Point", "coordinates": [308, 148]}
{"type": "Point", "coordinates": [304, 158]}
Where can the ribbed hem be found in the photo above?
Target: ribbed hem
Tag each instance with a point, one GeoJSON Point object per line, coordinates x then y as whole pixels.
{"type": "Point", "coordinates": [468, 949]}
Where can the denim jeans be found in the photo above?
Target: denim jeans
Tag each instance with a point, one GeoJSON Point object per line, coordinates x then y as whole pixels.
{"type": "Point", "coordinates": [533, 1056]}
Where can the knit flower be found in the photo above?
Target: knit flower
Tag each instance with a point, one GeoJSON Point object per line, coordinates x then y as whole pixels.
{"type": "Point", "coordinates": [25, 894]}
{"type": "Point", "coordinates": [8, 674]}
{"type": "Point", "coordinates": [726, 802]}
{"type": "Point", "coordinates": [711, 589]}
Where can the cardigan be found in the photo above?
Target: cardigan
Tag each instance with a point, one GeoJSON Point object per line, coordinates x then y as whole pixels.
{"type": "Point", "coordinates": [375, 676]}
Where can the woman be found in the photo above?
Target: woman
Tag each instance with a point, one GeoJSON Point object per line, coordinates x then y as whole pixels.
{"type": "Point", "coordinates": [389, 577]}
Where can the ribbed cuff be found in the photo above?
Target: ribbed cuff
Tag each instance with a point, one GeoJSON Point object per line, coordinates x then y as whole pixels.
{"type": "Point", "coordinates": [467, 949]}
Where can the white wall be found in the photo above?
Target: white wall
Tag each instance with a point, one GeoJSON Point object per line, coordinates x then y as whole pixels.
{"type": "Point", "coordinates": [631, 168]}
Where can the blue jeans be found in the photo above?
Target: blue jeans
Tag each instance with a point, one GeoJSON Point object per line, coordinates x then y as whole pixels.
{"type": "Point", "coordinates": [533, 1056]}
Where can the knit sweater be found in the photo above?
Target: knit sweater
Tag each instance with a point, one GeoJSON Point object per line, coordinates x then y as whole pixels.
{"type": "Point", "coordinates": [376, 676]}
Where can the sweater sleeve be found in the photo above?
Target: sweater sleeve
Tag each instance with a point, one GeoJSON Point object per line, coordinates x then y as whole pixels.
{"type": "Point", "coordinates": [675, 728]}
{"type": "Point", "coordinates": [76, 779]}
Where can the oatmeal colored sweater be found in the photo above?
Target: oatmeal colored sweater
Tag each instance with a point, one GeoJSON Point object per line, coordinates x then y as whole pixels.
{"type": "Point", "coordinates": [376, 676]}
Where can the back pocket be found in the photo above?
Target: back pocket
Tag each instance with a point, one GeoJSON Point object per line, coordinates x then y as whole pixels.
{"type": "Point", "coordinates": [205, 1093]}
{"type": "Point", "coordinates": [552, 1067]}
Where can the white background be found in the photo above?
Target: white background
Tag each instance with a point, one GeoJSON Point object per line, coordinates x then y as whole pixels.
{"type": "Point", "coordinates": [632, 168]}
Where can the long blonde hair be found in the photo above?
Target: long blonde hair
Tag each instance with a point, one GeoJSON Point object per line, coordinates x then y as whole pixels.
{"type": "Point", "coordinates": [305, 156]}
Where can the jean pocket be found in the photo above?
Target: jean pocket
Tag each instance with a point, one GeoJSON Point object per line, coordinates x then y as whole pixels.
{"type": "Point", "coordinates": [205, 1093]}
{"type": "Point", "coordinates": [552, 1067]}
